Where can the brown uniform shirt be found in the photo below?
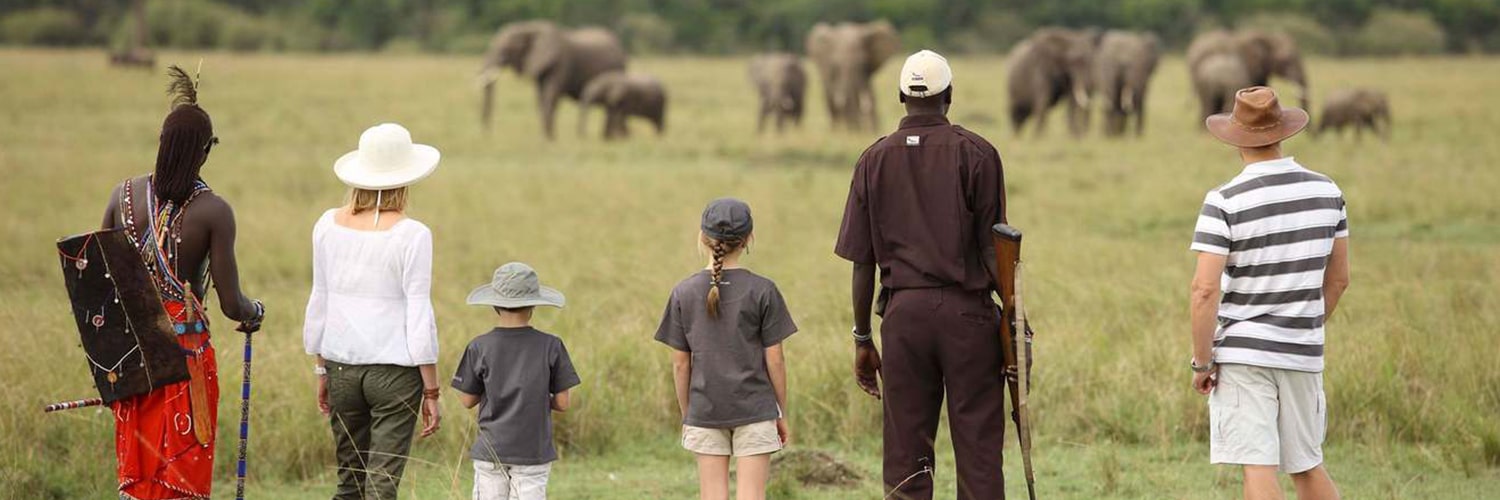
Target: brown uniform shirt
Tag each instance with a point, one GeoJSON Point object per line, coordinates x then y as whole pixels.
{"type": "Point", "coordinates": [921, 205]}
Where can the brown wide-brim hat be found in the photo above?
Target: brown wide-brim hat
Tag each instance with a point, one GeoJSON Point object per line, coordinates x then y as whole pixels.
{"type": "Point", "coordinates": [1257, 120]}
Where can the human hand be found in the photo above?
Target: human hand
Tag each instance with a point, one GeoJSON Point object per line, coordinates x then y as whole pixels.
{"type": "Point", "coordinates": [323, 395]}
{"type": "Point", "coordinates": [431, 416]}
{"type": "Point", "coordinates": [783, 431]}
{"type": "Point", "coordinates": [867, 368]}
{"type": "Point", "coordinates": [1205, 382]}
{"type": "Point", "coordinates": [252, 325]}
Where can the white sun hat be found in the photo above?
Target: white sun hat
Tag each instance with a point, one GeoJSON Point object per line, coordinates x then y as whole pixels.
{"type": "Point", "coordinates": [515, 285]}
{"type": "Point", "coordinates": [926, 73]}
{"type": "Point", "coordinates": [386, 159]}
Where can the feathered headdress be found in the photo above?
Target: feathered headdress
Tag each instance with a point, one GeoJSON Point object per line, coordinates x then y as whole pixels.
{"type": "Point", "coordinates": [182, 88]}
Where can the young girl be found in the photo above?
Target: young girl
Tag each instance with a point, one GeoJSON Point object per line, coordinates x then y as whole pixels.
{"type": "Point", "coordinates": [725, 325]}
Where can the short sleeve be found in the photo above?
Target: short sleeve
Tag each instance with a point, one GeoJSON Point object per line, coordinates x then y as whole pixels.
{"type": "Point", "coordinates": [1342, 229]}
{"type": "Point", "coordinates": [469, 377]}
{"type": "Point", "coordinates": [1212, 232]}
{"type": "Point", "coordinates": [776, 321]}
{"type": "Point", "coordinates": [673, 328]}
{"type": "Point", "coordinates": [564, 377]}
{"type": "Point", "coordinates": [855, 242]}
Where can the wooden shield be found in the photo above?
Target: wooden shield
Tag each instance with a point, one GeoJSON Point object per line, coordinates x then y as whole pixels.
{"type": "Point", "coordinates": [122, 325]}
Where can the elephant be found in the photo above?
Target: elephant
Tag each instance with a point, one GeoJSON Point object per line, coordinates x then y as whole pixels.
{"type": "Point", "coordinates": [1360, 108]}
{"type": "Point", "coordinates": [1262, 55]}
{"type": "Point", "coordinates": [1051, 65]}
{"type": "Point", "coordinates": [846, 56]}
{"type": "Point", "coordinates": [560, 61]}
{"type": "Point", "coordinates": [1122, 73]}
{"type": "Point", "coordinates": [782, 85]}
{"type": "Point", "coordinates": [1216, 78]}
{"type": "Point", "coordinates": [623, 95]}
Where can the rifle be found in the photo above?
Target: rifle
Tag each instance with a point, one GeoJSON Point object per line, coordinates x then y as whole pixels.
{"type": "Point", "coordinates": [1016, 355]}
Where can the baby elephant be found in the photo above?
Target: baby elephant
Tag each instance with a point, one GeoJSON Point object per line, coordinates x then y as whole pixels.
{"type": "Point", "coordinates": [782, 84]}
{"type": "Point", "coordinates": [623, 95]}
{"type": "Point", "coordinates": [1358, 108]}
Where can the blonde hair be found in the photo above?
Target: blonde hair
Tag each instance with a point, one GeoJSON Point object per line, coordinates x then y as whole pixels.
{"type": "Point", "coordinates": [390, 200]}
{"type": "Point", "coordinates": [718, 249]}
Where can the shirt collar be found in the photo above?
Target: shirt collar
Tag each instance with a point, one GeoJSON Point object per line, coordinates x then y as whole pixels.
{"type": "Point", "coordinates": [915, 121]}
{"type": "Point", "coordinates": [1283, 164]}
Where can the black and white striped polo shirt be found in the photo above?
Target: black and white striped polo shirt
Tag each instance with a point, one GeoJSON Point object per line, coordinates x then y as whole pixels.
{"type": "Point", "coordinates": [1276, 223]}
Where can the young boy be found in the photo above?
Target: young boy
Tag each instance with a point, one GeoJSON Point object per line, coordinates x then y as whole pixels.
{"type": "Point", "coordinates": [517, 376]}
{"type": "Point", "coordinates": [1273, 243]}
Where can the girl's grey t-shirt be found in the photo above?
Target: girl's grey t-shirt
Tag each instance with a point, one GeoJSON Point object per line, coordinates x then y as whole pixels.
{"type": "Point", "coordinates": [515, 372]}
{"type": "Point", "coordinates": [729, 385]}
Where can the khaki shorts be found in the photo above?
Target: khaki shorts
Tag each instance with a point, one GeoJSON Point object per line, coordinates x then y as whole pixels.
{"type": "Point", "coordinates": [1267, 416]}
{"type": "Point", "coordinates": [758, 438]}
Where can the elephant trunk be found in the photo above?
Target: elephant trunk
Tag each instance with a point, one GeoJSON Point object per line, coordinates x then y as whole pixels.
{"type": "Point", "coordinates": [486, 103]}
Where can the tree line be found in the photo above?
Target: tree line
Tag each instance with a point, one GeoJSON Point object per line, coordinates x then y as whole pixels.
{"type": "Point", "coordinates": [1336, 27]}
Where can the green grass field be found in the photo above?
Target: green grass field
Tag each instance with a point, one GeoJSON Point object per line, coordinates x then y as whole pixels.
{"type": "Point", "coordinates": [1413, 392]}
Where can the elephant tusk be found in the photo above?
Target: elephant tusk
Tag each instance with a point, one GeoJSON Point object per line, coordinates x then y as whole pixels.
{"type": "Point", "coordinates": [1129, 104]}
{"type": "Point", "coordinates": [1080, 96]}
{"type": "Point", "coordinates": [486, 76]}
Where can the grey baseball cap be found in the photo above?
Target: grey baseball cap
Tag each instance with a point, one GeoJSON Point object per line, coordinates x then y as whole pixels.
{"type": "Point", "coordinates": [727, 218]}
{"type": "Point", "coordinates": [515, 285]}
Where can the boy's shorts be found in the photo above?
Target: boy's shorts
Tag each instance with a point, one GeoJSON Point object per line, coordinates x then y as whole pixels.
{"type": "Point", "coordinates": [746, 440]}
{"type": "Point", "coordinates": [1267, 416]}
{"type": "Point", "coordinates": [494, 481]}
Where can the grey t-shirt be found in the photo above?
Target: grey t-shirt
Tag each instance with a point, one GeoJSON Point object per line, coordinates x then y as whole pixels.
{"type": "Point", "coordinates": [515, 372]}
{"type": "Point", "coordinates": [729, 384]}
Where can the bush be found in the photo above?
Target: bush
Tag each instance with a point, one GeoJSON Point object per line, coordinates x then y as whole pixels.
{"type": "Point", "coordinates": [1395, 32]}
{"type": "Point", "coordinates": [994, 32]}
{"type": "Point", "coordinates": [1311, 37]}
{"type": "Point", "coordinates": [646, 33]}
{"type": "Point", "coordinates": [44, 26]}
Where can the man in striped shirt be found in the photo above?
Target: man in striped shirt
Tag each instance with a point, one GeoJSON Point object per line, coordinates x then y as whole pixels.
{"type": "Point", "coordinates": [1272, 249]}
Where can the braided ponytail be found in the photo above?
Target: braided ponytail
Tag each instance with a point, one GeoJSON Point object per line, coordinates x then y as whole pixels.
{"type": "Point", "coordinates": [719, 249]}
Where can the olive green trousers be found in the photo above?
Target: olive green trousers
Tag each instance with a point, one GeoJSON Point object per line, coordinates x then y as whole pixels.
{"type": "Point", "coordinates": [374, 414]}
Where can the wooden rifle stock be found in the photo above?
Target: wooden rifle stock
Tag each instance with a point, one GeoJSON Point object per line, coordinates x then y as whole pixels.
{"type": "Point", "coordinates": [1007, 242]}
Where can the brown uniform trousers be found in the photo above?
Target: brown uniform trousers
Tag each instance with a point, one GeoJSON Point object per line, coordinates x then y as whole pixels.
{"type": "Point", "coordinates": [941, 341]}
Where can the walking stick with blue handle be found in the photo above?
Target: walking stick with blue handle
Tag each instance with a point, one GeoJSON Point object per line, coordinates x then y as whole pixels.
{"type": "Point", "coordinates": [249, 327]}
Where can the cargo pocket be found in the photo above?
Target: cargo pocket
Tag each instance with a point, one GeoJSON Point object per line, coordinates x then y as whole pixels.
{"type": "Point", "coordinates": [1221, 407]}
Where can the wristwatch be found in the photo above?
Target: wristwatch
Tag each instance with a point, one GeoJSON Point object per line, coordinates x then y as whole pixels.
{"type": "Point", "coordinates": [320, 370]}
{"type": "Point", "coordinates": [1203, 368]}
{"type": "Point", "coordinates": [861, 338]}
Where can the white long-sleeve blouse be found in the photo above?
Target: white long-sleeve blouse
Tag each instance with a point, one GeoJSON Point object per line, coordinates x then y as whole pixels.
{"type": "Point", "coordinates": [371, 300]}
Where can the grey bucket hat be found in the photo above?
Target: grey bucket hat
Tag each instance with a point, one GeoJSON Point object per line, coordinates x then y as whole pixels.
{"type": "Point", "coordinates": [515, 285]}
{"type": "Point", "coordinates": [727, 218]}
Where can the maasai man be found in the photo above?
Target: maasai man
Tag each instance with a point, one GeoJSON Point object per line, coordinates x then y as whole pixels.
{"type": "Point", "coordinates": [919, 212]}
{"type": "Point", "coordinates": [165, 439]}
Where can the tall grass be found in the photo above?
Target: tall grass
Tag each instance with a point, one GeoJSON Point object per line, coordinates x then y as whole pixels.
{"type": "Point", "coordinates": [1410, 353]}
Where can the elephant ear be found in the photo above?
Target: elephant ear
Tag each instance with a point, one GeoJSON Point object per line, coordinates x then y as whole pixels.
{"type": "Point", "coordinates": [545, 50]}
{"type": "Point", "coordinates": [820, 42]}
{"type": "Point", "coordinates": [618, 88]}
{"type": "Point", "coordinates": [881, 41]}
{"type": "Point", "coordinates": [1259, 54]}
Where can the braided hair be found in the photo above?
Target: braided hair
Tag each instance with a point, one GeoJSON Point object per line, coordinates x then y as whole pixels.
{"type": "Point", "coordinates": [719, 249]}
{"type": "Point", "coordinates": [187, 135]}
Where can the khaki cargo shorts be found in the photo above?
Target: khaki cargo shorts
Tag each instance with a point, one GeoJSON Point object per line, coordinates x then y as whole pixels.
{"type": "Point", "coordinates": [1267, 416]}
{"type": "Point", "coordinates": [746, 440]}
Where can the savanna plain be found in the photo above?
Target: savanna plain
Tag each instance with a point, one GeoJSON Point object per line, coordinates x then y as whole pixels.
{"type": "Point", "coordinates": [1412, 385]}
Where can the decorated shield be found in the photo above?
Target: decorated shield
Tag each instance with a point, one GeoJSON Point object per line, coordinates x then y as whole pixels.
{"type": "Point", "coordinates": [125, 332]}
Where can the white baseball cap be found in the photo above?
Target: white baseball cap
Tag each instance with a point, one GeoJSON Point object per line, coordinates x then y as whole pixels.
{"type": "Point", "coordinates": [926, 73]}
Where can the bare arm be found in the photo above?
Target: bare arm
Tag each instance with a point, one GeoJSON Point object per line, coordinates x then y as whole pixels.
{"type": "Point", "coordinates": [1205, 304]}
{"type": "Point", "coordinates": [682, 370]}
{"type": "Point", "coordinates": [776, 368]}
{"type": "Point", "coordinates": [561, 401]}
{"type": "Point", "coordinates": [468, 400]}
{"type": "Point", "coordinates": [225, 269]}
{"type": "Point", "coordinates": [863, 294]}
{"type": "Point", "coordinates": [1336, 276]}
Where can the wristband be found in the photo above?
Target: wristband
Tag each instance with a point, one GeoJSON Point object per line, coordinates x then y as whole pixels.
{"type": "Point", "coordinates": [430, 393]}
{"type": "Point", "coordinates": [861, 338]}
{"type": "Point", "coordinates": [1205, 368]}
{"type": "Point", "coordinates": [320, 370]}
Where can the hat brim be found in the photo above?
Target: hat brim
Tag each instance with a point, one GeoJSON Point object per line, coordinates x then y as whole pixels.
{"type": "Point", "coordinates": [486, 295]}
{"type": "Point", "coordinates": [1222, 126]}
{"type": "Point", "coordinates": [350, 171]}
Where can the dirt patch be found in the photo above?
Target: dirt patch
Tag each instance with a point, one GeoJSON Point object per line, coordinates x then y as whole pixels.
{"type": "Point", "coordinates": [814, 468]}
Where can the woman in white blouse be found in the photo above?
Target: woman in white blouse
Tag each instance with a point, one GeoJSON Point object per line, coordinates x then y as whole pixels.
{"type": "Point", "coordinates": [369, 318]}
